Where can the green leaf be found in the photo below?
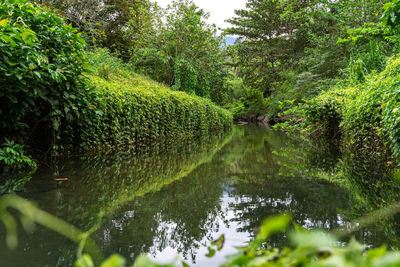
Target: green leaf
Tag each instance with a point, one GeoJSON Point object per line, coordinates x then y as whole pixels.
{"type": "Point", "coordinates": [211, 252]}
{"type": "Point", "coordinates": [84, 261]}
{"type": "Point", "coordinates": [13, 99]}
{"type": "Point", "coordinates": [314, 239]}
{"type": "Point", "coordinates": [114, 261]}
{"type": "Point", "coordinates": [388, 260]}
{"type": "Point", "coordinates": [37, 74]}
{"type": "Point", "coordinates": [25, 35]}
{"type": "Point", "coordinates": [143, 261]}
{"type": "Point", "coordinates": [273, 225]}
{"type": "Point", "coordinates": [219, 243]}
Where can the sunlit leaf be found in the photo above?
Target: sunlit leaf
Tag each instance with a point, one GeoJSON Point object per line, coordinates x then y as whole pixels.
{"type": "Point", "coordinates": [219, 243]}
{"type": "Point", "coordinates": [114, 261]}
{"type": "Point", "coordinates": [274, 225]}
{"type": "Point", "coordinates": [211, 252]}
{"type": "Point", "coordinates": [84, 261]}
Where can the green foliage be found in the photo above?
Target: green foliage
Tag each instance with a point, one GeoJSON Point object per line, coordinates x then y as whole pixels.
{"type": "Point", "coordinates": [181, 50]}
{"type": "Point", "coordinates": [293, 89]}
{"type": "Point", "coordinates": [130, 108]}
{"type": "Point", "coordinates": [372, 112]}
{"type": "Point", "coordinates": [15, 167]}
{"type": "Point", "coordinates": [365, 110]}
{"type": "Point", "coordinates": [13, 159]}
{"type": "Point", "coordinates": [366, 62]}
{"type": "Point", "coordinates": [42, 60]}
{"type": "Point", "coordinates": [309, 248]}
{"type": "Point", "coordinates": [105, 23]}
{"type": "Point", "coordinates": [236, 86]}
{"type": "Point", "coordinates": [246, 103]}
{"type": "Point", "coordinates": [250, 106]}
{"type": "Point", "coordinates": [48, 102]}
{"type": "Point", "coordinates": [326, 110]}
{"type": "Point", "coordinates": [391, 16]}
{"type": "Point", "coordinates": [293, 50]}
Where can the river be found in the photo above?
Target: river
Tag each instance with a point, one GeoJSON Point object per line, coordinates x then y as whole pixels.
{"type": "Point", "coordinates": [174, 197]}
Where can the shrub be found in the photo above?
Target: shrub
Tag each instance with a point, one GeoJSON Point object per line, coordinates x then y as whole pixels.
{"type": "Point", "coordinates": [48, 102]}
{"type": "Point", "coordinates": [327, 108]}
{"type": "Point", "coordinates": [373, 111]}
{"type": "Point", "coordinates": [15, 167]}
{"type": "Point", "coordinates": [366, 112]}
{"type": "Point", "coordinates": [42, 59]}
{"type": "Point", "coordinates": [250, 106]}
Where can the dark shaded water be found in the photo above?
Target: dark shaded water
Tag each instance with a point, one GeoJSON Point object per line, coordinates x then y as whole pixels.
{"type": "Point", "coordinates": [174, 197]}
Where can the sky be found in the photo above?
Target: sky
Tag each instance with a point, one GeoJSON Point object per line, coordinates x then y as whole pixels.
{"type": "Point", "coordinates": [220, 10]}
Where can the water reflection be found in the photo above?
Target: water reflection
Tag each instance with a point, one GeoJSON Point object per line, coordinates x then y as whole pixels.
{"type": "Point", "coordinates": [176, 196]}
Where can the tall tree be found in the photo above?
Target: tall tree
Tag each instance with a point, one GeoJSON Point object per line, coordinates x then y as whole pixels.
{"type": "Point", "coordinates": [182, 50]}
{"type": "Point", "coordinates": [104, 22]}
{"type": "Point", "coordinates": [281, 35]}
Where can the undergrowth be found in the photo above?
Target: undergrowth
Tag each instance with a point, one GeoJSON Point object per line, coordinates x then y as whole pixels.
{"type": "Point", "coordinates": [365, 113]}
{"type": "Point", "coordinates": [128, 108]}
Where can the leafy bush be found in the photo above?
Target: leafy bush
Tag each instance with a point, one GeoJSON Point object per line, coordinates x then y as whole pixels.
{"type": "Point", "coordinates": [47, 101]}
{"type": "Point", "coordinates": [326, 110]}
{"type": "Point", "coordinates": [15, 167]}
{"type": "Point", "coordinates": [373, 111]}
{"type": "Point", "coordinates": [250, 106]}
{"type": "Point", "coordinates": [131, 108]}
{"type": "Point", "coordinates": [365, 112]}
{"type": "Point", "coordinates": [391, 16]}
{"type": "Point", "coordinates": [42, 59]}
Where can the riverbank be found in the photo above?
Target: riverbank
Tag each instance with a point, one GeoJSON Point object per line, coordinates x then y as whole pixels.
{"type": "Point", "coordinates": [363, 114]}
{"type": "Point", "coordinates": [130, 108]}
{"type": "Point", "coordinates": [124, 108]}
{"type": "Point", "coordinates": [59, 98]}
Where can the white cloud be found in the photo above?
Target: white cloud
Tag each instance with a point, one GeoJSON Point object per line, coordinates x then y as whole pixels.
{"type": "Point", "coordinates": [220, 10]}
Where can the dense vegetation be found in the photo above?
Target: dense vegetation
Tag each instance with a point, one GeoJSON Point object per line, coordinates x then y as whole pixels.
{"type": "Point", "coordinates": [361, 108]}
{"type": "Point", "coordinates": [59, 97]}
{"type": "Point", "coordinates": [328, 67]}
{"type": "Point", "coordinates": [115, 72]}
{"type": "Point", "coordinates": [174, 46]}
{"type": "Point", "coordinates": [126, 107]}
{"type": "Point", "coordinates": [290, 51]}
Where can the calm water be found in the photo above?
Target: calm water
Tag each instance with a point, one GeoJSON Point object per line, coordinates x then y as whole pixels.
{"type": "Point", "coordinates": [173, 198]}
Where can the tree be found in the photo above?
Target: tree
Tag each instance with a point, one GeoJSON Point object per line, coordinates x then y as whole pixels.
{"type": "Point", "coordinates": [181, 50]}
{"type": "Point", "coordinates": [104, 22]}
{"type": "Point", "coordinates": [270, 38]}
{"type": "Point", "coordinates": [289, 50]}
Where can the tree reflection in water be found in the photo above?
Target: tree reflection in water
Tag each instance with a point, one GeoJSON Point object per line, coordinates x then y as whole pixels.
{"type": "Point", "coordinates": [176, 196]}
